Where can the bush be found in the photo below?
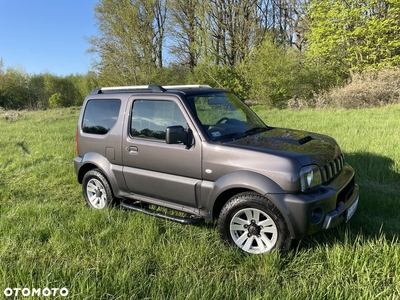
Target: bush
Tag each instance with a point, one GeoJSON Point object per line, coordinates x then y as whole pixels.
{"type": "Point", "coordinates": [171, 75]}
{"type": "Point", "coordinates": [280, 77]}
{"type": "Point", "coordinates": [270, 73]}
{"type": "Point", "coordinates": [369, 89]}
{"type": "Point", "coordinates": [224, 77]}
{"type": "Point", "coordinates": [55, 100]}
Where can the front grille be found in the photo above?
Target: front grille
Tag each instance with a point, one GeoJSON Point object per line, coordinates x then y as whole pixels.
{"type": "Point", "coordinates": [332, 169]}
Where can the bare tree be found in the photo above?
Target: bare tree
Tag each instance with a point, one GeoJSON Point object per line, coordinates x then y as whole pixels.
{"type": "Point", "coordinates": [233, 29]}
{"type": "Point", "coordinates": [185, 31]}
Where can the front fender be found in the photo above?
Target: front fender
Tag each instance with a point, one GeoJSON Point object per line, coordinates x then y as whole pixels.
{"type": "Point", "coordinates": [245, 180]}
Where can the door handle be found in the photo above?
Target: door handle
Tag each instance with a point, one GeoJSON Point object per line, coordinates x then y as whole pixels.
{"type": "Point", "coordinates": [133, 150]}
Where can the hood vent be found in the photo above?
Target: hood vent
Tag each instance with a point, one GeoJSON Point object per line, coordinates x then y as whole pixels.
{"type": "Point", "coordinates": [305, 140]}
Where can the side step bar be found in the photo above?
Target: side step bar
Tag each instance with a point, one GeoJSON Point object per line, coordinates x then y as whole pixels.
{"type": "Point", "coordinates": [182, 220]}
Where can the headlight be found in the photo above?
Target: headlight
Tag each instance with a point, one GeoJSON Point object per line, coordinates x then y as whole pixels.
{"type": "Point", "coordinates": [310, 176]}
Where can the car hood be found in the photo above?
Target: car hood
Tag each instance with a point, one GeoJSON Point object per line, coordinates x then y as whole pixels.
{"type": "Point", "coordinates": [306, 147]}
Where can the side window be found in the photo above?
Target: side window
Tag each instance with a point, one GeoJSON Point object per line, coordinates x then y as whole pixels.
{"type": "Point", "coordinates": [150, 118]}
{"type": "Point", "coordinates": [100, 116]}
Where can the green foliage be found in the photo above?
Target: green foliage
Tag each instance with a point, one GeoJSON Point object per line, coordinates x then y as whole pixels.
{"type": "Point", "coordinates": [129, 44]}
{"type": "Point", "coordinates": [55, 101]}
{"type": "Point", "coordinates": [224, 77]}
{"type": "Point", "coordinates": [171, 75]}
{"type": "Point", "coordinates": [50, 239]}
{"type": "Point", "coordinates": [19, 90]}
{"type": "Point", "coordinates": [355, 34]}
{"type": "Point", "coordinates": [279, 53]}
{"type": "Point", "coordinates": [15, 90]}
{"type": "Point", "coordinates": [80, 86]}
{"type": "Point", "coordinates": [275, 75]}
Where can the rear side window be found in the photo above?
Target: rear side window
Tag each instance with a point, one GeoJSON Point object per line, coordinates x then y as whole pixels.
{"type": "Point", "coordinates": [100, 116]}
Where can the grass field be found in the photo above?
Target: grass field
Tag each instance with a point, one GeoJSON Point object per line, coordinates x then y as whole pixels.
{"type": "Point", "coordinates": [48, 238]}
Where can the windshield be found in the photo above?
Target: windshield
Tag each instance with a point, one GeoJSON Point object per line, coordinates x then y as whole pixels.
{"type": "Point", "coordinates": [223, 115]}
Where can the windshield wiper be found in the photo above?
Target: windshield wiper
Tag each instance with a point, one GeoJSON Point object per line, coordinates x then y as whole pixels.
{"type": "Point", "coordinates": [241, 134]}
{"type": "Point", "coordinates": [234, 136]}
{"type": "Point", "coordinates": [256, 129]}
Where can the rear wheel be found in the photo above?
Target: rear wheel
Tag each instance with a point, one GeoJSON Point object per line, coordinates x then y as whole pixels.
{"type": "Point", "coordinates": [253, 224]}
{"type": "Point", "coordinates": [96, 190]}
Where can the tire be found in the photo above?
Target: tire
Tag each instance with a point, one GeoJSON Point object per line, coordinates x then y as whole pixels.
{"type": "Point", "coordinates": [252, 223]}
{"type": "Point", "coordinates": [97, 191]}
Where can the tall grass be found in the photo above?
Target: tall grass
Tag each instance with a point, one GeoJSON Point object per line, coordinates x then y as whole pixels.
{"type": "Point", "coordinates": [48, 238]}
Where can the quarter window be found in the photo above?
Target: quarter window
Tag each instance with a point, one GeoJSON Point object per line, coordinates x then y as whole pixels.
{"type": "Point", "coordinates": [100, 116]}
{"type": "Point", "coordinates": [150, 118]}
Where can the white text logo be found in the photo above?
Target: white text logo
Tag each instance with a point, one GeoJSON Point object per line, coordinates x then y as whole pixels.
{"type": "Point", "coordinates": [45, 292]}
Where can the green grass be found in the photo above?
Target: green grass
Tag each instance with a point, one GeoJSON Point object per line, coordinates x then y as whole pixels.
{"type": "Point", "coordinates": [48, 238]}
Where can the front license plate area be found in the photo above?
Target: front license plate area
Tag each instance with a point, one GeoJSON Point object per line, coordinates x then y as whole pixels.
{"type": "Point", "coordinates": [351, 210]}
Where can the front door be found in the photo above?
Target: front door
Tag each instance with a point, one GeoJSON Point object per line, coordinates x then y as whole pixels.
{"type": "Point", "coordinates": [152, 167]}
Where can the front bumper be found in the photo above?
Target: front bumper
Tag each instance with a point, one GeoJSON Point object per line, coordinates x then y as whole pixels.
{"type": "Point", "coordinates": [341, 214]}
{"type": "Point", "coordinates": [324, 208]}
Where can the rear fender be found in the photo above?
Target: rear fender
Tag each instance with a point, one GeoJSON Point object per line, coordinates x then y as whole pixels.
{"type": "Point", "coordinates": [113, 173]}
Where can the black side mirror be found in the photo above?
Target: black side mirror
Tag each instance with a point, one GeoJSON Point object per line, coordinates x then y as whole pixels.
{"type": "Point", "coordinates": [176, 135]}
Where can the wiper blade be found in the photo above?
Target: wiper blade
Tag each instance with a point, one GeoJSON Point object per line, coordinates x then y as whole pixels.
{"type": "Point", "coordinates": [256, 129]}
{"type": "Point", "coordinates": [241, 134]}
{"type": "Point", "coordinates": [234, 136]}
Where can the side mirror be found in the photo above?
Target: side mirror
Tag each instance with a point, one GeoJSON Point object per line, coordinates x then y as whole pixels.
{"type": "Point", "coordinates": [176, 135]}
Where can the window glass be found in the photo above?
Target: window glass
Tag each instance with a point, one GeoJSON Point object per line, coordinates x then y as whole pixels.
{"type": "Point", "coordinates": [223, 115]}
{"type": "Point", "coordinates": [150, 118]}
{"type": "Point", "coordinates": [212, 108]}
{"type": "Point", "coordinates": [100, 116]}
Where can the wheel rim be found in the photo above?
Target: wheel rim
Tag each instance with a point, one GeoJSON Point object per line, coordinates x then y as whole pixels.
{"type": "Point", "coordinates": [253, 231]}
{"type": "Point", "coordinates": [96, 193]}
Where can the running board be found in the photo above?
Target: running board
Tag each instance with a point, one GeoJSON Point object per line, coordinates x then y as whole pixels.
{"type": "Point", "coordinates": [182, 220]}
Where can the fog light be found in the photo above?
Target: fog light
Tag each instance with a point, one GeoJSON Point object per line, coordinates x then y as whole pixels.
{"type": "Point", "coordinates": [316, 215]}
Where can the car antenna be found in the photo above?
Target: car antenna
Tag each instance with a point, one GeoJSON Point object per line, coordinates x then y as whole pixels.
{"type": "Point", "coordinates": [220, 85]}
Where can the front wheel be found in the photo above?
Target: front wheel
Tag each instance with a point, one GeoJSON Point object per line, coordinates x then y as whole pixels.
{"type": "Point", "coordinates": [96, 190]}
{"type": "Point", "coordinates": [253, 224]}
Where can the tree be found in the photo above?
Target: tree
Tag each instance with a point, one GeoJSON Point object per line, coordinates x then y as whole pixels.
{"type": "Point", "coordinates": [185, 29]}
{"type": "Point", "coordinates": [273, 74]}
{"type": "Point", "coordinates": [60, 91]}
{"type": "Point", "coordinates": [291, 21]}
{"type": "Point", "coordinates": [233, 28]}
{"type": "Point", "coordinates": [130, 41]}
{"type": "Point", "coordinates": [55, 100]}
{"type": "Point", "coordinates": [82, 85]}
{"type": "Point", "coordinates": [16, 91]}
{"type": "Point", "coordinates": [2, 88]}
{"type": "Point", "coordinates": [355, 34]}
{"type": "Point", "coordinates": [225, 77]}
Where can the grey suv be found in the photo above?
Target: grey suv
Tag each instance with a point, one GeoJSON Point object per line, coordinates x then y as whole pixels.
{"type": "Point", "coordinates": [203, 153]}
